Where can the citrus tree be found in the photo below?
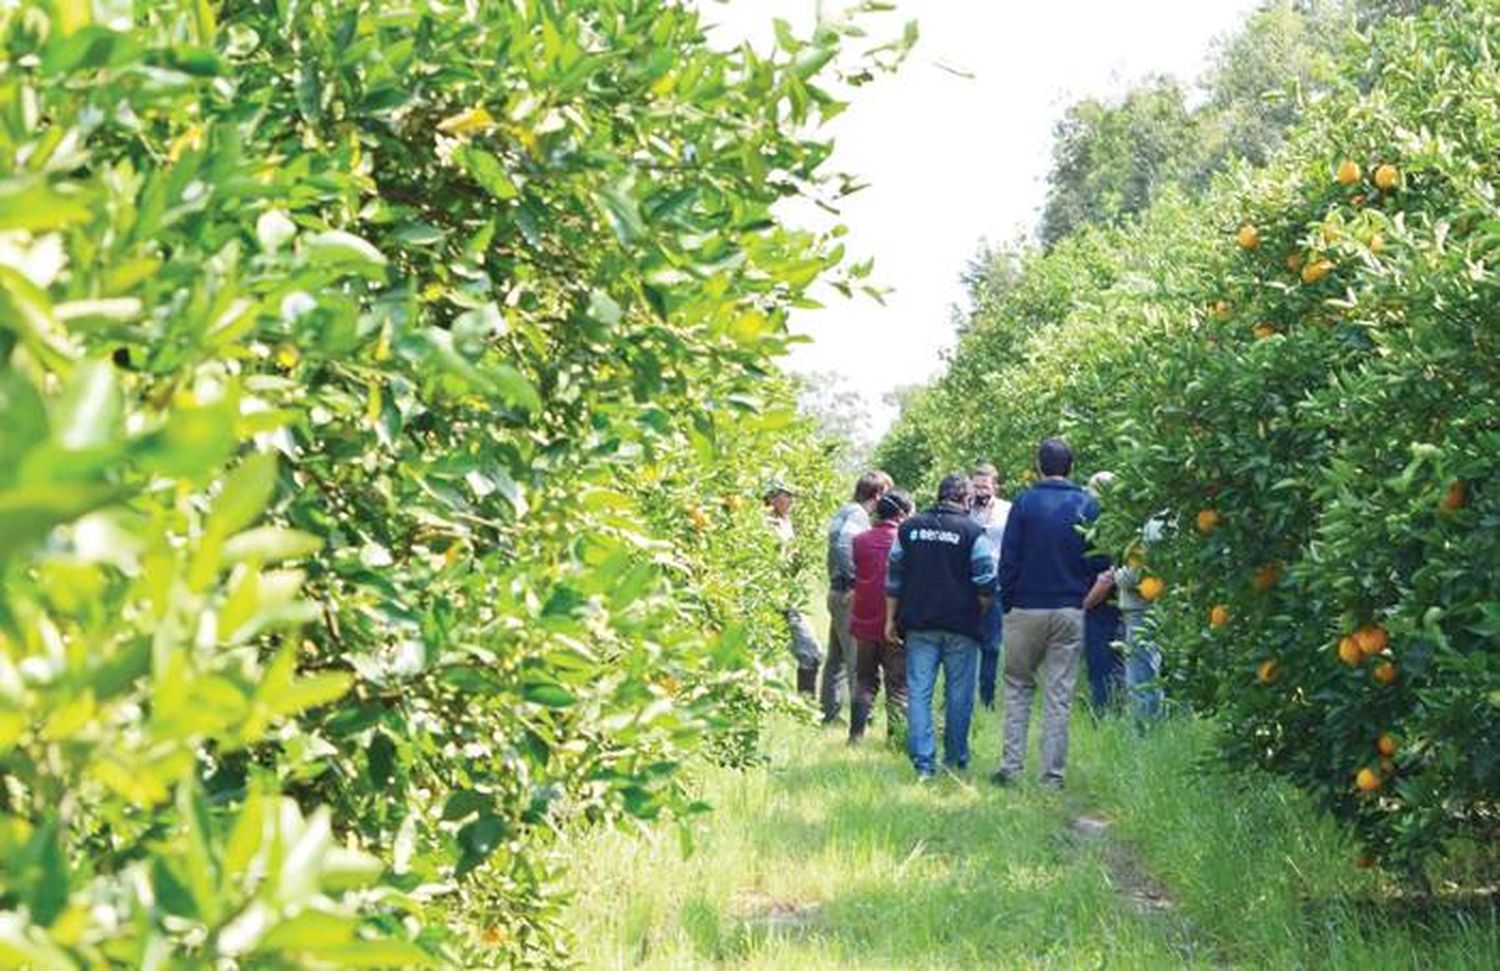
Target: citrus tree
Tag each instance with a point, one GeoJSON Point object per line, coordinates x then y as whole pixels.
{"type": "Point", "coordinates": [1296, 372]}
{"type": "Point", "coordinates": [368, 372]}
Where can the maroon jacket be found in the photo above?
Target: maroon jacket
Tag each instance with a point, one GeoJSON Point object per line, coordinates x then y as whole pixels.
{"type": "Point", "coordinates": [872, 552]}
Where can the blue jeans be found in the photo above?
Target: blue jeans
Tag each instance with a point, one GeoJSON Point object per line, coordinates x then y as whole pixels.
{"type": "Point", "coordinates": [989, 653]}
{"type": "Point", "coordinates": [1142, 670]}
{"type": "Point", "coordinates": [1101, 627]}
{"type": "Point", "coordinates": [925, 650]}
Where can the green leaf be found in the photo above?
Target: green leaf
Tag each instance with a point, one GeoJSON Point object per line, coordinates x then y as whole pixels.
{"type": "Point", "coordinates": [345, 251]}
{"type": "Point", "coordinates": [270, 544]}
{"type": "Point", "coordinates": [246, 493]}
{"type": "Point", "coordinates": [91, 411]}
{"type": "Point", "coordinates": [488, 171]}
{"type": "Point", "coordinates": [548, 695]}
{"type": "Point", "coordinates": [29, 513]}
{"type": "Point", "coordinates": [32, 203]}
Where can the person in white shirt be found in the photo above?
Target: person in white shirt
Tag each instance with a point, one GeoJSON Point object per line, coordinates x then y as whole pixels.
{"type": "Point", "coordinates": [991, 512]}
{"type": "Point", "coordinates": [808, 652]}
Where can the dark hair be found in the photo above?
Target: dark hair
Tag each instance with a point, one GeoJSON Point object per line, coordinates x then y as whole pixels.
{"type": "Point", "coordinates": [954, 488]}
{"type": "Point", "coordinates": [985, 468]}
{"type": "Point", "coordinates": [872, 485]}
{"type": "Point", "coordinates": [1053, 457]}
{"type": "Point", "coordinates": [892, 504]}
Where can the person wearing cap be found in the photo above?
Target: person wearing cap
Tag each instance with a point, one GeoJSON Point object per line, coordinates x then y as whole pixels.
{"type": "Point", "coordinates": [852, 519]}
{"type": "Point", "coordinates": [940, 579]}
{"type": "Point", "coordinates": [991, 512]}
{"type": "Point", "coordinates": [877, 657]}
{"type": "Point", "coordinates": [778, 497]}
{"type": "Point", "coordinates": [1046, 570]}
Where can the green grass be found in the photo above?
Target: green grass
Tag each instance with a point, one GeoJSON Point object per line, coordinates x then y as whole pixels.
{"type": "Point", "coordinates": [831, 857]}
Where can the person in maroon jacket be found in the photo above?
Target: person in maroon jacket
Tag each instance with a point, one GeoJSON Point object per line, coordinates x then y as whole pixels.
{"type": "Point", "coordinates": [872, 550]}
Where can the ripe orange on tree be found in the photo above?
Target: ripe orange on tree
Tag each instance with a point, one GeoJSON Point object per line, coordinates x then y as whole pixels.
{"type": "Point", "coordinates": [1377, 244]}
{"type": "Point", "coordinates": [1385, 673]}
{"type": "Point", "coordinates": [1372, 639]}
{"type": "Point", "coordinates": [1294, 261]}
{"type": "Point", "coordinates": [1221, 309]}
{"type": "Point", "coordinates": [1262, 331]}
{"type": "Point", "coordinates": [1350, 653]}
{"type": "Point", "coordinates": [1218, 616]}
{"type": "Point", "coordinates": [1316, 270]}
{"type": "Point", "coordinates": [1248, 236]}
{"type": "Point", "coordinates": [1367, 780]}
{"type": "Point", "coordinates": [1266, 577]}
{"type": "Point", "coordinates": [1348, 172]}
{"type": "Point", "coordinates": [1268, 671]}
{"type": "Point", "coordinates": [1152, 588]}
{"type": "Point", "coordinates": [1387, 177]}
{"type": "Point", "coordinates": [1453, 500]}
{"type": "Point", "coordinates": [1207, 520]}
{"type": "Point", "coordinates": [1387, 744]}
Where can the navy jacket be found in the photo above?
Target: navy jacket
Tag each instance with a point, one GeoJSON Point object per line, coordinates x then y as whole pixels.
{"type": "Point", "coordinates": [941, 564]}
{"type": "Point", "coordinates": [1044, 560]}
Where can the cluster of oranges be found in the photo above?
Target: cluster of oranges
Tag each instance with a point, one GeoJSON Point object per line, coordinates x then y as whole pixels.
{"type": "Point", "coordinates": [1365, 643]}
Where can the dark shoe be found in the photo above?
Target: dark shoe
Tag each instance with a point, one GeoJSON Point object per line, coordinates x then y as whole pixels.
{"type": "Point", "coordinates": [807, 682]}
{"type": "Point", "coordinates": [1052, 785]}
{"type": "Point", "coordinates": [1002, 780]}
{"type": "Point", "coordinates": [859, 717]}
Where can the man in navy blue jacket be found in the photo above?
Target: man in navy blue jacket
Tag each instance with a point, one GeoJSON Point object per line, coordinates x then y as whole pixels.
{"type": "Point", "coordinates": [940, 579]}
{"type": "Point", "coordinates": [1045, 572]}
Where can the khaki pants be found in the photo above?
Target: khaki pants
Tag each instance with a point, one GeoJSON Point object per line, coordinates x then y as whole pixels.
{"type": "Point", "coordinates": [1050, 640]}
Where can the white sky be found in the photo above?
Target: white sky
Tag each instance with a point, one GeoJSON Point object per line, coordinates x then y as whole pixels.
{"type": "Point", "coordinates": [952, 161]}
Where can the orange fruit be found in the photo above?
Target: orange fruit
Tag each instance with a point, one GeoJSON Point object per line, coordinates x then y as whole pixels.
{"type": "Point", "coordinates": [1152, 588]}
{"type": "Point", "coordinates": [1453, 500]}
{"type": "Point", "coordinates": [1387, 177]}
{"type": "Point", "coordinates": [1385, 673]}
{"type": "Point", "coordinates": [1221, 309]}
{"type": "Point", "coordinates": [1387, 745]}
{"type": "Point", "coordinates": [1372, 639]}
{"type": "Point", "coordinates": [1367, 780]}
{"type": "Point", "coordinates": [1377, 244]}
{"type": "Point", "coordinates": [1294, 261]}
{"type": "Point", "coordinates": [1316, 270]}
{"type": "Point", "coordinates": [1262, 331]}
{"type": "Point", "coordinates": [1268, 671]}
{"type": "Point", "coordinates": [1218, 616]}
{"type": "Point", "coordinates": [1348, 172]}
{"type": "Point", "coordinates": [699, 519]}
{"type": "Point", "coordinates": [1266, 577]}
{"type": "Point", "coordinates": [1350, 653]}
{"type": "Point", "coordinates": [1248, 237]}
{"type": "Point", "coordinates": [1208, 520]}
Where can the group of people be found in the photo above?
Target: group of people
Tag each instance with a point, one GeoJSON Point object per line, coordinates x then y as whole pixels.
{"type": "Point", "coordinates": [914, 593]}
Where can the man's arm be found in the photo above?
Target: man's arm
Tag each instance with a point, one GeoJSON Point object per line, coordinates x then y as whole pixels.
{"type": "Point", "coordinates": [842, 554]}
{"type": "Point", "coordinates": [982, 570]}
{"type": "Point", "coordinates": [895, 580]}
{"type": "Point", "coordinates": [1103, 583]}
{"type": "Point", "coordinates": [1011, 546]}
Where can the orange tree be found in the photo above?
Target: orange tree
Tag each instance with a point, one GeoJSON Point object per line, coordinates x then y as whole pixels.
{"type": "Point", "coordinates": [1300, 370]}
{"type": "Point", "coordinates": [365, 369]}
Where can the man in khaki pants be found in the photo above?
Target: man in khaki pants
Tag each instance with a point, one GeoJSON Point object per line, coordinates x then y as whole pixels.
{"type": "Point", "coordinates": [1045, 572]}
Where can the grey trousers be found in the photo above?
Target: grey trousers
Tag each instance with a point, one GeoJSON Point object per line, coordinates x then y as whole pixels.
{"type": "Point", "coordinates": [841, 662]}
{"type": "Point", "coordinates": [804, 643]}
{"type": "Point", "coordinates": [1049, 640]}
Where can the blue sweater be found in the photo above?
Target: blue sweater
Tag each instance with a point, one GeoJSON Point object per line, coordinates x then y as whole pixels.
{"type": "Point", "coordinates": [1044, 561]}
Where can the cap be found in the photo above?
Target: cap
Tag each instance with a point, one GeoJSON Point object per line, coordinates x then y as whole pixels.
{"type": "Point", "coordinates": [774, 486]}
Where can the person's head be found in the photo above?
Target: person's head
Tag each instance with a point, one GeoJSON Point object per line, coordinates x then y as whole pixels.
{"type": "Point", "coordinates": [1098, 482]}
{"type": "Point", "coordinates": [870, 487]}
{"type": "Point", "coordinates": [893, 507]}
{"type": "Point", "coordinates": [954, 490]}
{"type": "Point", "coordinates": [984, 480]}
{"type": "Point", "coordinates": [779, 498]}
{"type": "Point", "coordinates": [1054, 459]}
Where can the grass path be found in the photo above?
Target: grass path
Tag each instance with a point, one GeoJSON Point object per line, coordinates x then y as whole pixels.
{"type": "Point", "coordinates": [832, 857]}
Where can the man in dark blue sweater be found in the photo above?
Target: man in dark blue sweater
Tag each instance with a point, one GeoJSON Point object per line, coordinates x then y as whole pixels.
{"type": "Point", "coordinates": [1045, 572]}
